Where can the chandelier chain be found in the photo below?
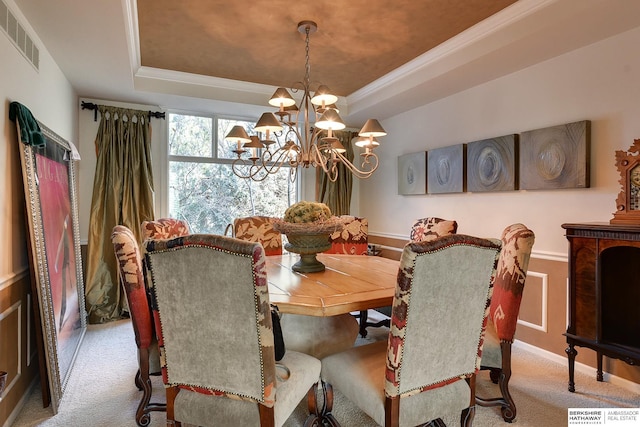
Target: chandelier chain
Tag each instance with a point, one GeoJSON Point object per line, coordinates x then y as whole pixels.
{"type": "Point", "coordinates": [307, 70]}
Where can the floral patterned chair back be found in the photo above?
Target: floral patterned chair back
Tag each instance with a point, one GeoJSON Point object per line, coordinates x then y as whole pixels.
{"type": "Point", "coordinates": [430, 228]}
{"type": "Point", "coordinates": [220, 372]}
{"type": "Point", "coordinates": [164, 228]}
{"type": "Point", "coordinates": [353, 239]}
{"type": "Point", "coordinates": [259, 229]}
{"type": "Point", "coordinates": [517, 243]}
{"type": "Point", "coordinates": [132, 279]}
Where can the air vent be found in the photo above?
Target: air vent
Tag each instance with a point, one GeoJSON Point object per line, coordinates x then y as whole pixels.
{"type": "Point", "coordinates": [17, 34]}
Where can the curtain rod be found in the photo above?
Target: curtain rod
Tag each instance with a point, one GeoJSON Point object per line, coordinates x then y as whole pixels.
{"type": "Point", "coordinates": [94, 107]}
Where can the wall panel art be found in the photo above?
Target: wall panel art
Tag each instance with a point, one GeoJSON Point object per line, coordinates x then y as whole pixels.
{"type": "Point", "coordinates": [446, 169]}
{"type": "Point", "coordinates": [412, 173]}
{"type": "Point", "coordinates": [556, 157]}
{"type": "Point", "coordinates": [491, 164]}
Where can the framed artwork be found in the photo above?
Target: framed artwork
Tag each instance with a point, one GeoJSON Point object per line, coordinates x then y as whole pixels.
{"type": "Point", "coordinates": [628, 200]}
{"type": "Point", "coordinates": [446, 169]}
{"type": "Point", "coordinates": [412, 173]}
{"type": "Point", "coordinates": [491, 164]}
{"type": "Point", "coordinates": [52, 209]}
{"type": "Point", "coordinates": [556, 157]}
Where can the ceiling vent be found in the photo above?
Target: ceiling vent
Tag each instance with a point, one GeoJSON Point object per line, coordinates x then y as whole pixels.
{"type": "Point", "coordinates": [16, 33]}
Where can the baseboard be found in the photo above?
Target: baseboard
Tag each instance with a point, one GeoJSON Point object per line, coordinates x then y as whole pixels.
{"type": "Point", "coordinates": [23, 400]}
{"type": "Point", "coordinates": [579, 367]}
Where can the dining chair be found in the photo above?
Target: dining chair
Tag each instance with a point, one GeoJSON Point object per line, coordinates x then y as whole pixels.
{"type": "Point", "coordinates": [353, 239]}
{"type": "Point", "coordinates": [130, 271]}
{"type": "Point", "coordinates": [313, 335]}
{"type": "Point", "coordinates": [423, 230]}
{"type": "Point", "coordinates": [426, 368]}
{"type": "Point", "coordinates": [429, 228]}
{"type": "Point", "coordinates": [259, 229]}
{"type": "Point", "coordinates": [164, 228]}
{"type": "Point", "coordinates": [511, 274]}
{"type": "Point", "coordinates": [212, 314]}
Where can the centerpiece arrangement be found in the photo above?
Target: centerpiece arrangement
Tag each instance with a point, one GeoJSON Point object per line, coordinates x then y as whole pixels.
{"type": "Point", "coordinates": [308, 226]}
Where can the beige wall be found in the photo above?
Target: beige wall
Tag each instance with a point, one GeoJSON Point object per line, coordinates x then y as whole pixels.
{"type": "Point", "coordinates": [48, 94]}
{"type": "Point", "coordinates": [597, 83]}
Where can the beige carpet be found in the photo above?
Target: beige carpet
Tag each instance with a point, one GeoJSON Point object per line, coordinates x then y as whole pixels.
{"type": "Point", "coordinates": [100, 391]}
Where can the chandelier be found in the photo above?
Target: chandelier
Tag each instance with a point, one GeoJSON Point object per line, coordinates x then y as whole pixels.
{"type": "Point", "coordinates": [302, 135]}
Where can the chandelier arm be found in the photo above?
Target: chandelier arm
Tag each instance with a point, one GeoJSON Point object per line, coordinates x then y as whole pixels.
{"type": "Point", "coordinates": [276, 160]}
{"type": "Point", "coordinates": [239, 164]}
{"type": "Point", "coordinates": [317, 158]}
{"type": "Point", "coordinates": [368, 166]}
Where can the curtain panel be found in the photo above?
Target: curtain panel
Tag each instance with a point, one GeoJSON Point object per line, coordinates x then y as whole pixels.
{"type": "Point", "coordinates": [337, 195]}
{"type": "Point", "coordinates": [122, 195]}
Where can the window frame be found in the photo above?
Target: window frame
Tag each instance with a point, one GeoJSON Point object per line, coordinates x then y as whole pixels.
{"type": "Point", "coordinates": [298, 186]}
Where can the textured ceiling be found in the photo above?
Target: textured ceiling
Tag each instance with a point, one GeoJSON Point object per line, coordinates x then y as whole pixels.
{"type": "Point", "coordinates": [357, 42]}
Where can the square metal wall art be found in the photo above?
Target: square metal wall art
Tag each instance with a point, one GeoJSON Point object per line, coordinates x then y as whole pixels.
{"type": "Point", "coordinates": [556, 157]}
{"type": "Point", "coordinates": [446, 169]}
{"type": "Point", "coordinates": [491, 164]}
{"type": "Point", "coordinates": [412, 173]}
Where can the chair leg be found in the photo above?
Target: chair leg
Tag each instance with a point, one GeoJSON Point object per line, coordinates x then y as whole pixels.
{"type": "Point", "coordinates": [364, 315]}
{"type": "Point", "coordinates": [509, 408]}
{"type": "Point", "coordinates": [172, 392]}
{"type": "Point", "coordinates": [267, 417]}
{"type": "Point", "coordinates": [143, 382]}
{"type": "Point", "coordinates": [505, 401]}
{"type": "Point", "coordinates": [324, 416]}
{"type": "Point", "coordinates": [494, 375]}
{"type": "Point", "coordinates": [466, 418]}
{"type": "Point", "coordinates": [314, 419]}
{"type": "Point", "coordinates": [138, 381]}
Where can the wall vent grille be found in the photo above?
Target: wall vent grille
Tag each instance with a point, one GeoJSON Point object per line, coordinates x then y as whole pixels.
{"type": "Point", "coordinates": [18, 36]}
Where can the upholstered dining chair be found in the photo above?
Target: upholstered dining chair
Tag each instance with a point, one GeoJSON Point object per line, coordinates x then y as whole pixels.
{"type": "Point", "coordinates": [132, 279]}
{"type": "Point", "coordinates": [353, 239]}
{"type": "Point", "coordinates": [164, 228]}
{"type": "Point", "coordinates": [423, 230]}
{"type": "Point", "coordinates": [517, 242]}
{"type": "Point", "coordinates": [221, 372]}
{"type": "Point", "coordinates": [316, 336]}
{"type": "Point", "coordinates": [426, 368]}
{"type": "Point", "coordinates": [259, 229]}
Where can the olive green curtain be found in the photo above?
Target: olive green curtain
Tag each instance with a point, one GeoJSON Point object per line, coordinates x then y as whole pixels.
{"type": "Point", "coordinates": [337, 195]}
{"type": "Point", "coordinates": [122, 194]}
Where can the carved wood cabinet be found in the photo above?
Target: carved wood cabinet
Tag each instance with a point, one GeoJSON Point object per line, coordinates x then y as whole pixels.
{"type": "Point", "coordinates": [604, 292]}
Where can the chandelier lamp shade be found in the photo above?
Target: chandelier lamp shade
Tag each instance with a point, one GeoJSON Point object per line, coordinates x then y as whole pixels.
{"type": "Point", "coordinates": [301, 134]}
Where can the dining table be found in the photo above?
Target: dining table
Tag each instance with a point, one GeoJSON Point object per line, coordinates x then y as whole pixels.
{"type": "Point", "coordinates": [349, 283]}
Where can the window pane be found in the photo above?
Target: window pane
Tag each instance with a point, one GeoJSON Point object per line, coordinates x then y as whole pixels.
{"type": "Point", "coordinates": [190, 136]}
{"type": "Point", "coordinates": [225, 148]}
{"type": "Point", "coordinates": [209, 196]}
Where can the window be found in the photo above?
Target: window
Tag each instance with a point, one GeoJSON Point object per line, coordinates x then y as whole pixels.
{"type": "Point", "coordinates": [203, 189]}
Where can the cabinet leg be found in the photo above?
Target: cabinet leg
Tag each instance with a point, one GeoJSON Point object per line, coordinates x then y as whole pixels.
{"type": "Point", "coordinates": [599, 372]}
{"type": "Point", "coordinates": [571, 353]}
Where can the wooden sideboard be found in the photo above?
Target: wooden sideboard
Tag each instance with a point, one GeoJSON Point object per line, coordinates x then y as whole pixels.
{"type": "Point", "coordinates": [604, 291]}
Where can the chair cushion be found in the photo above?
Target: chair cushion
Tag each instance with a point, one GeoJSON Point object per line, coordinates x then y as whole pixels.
{"type": "Point", "coordinates": [359, 374]}
{"type": "Point", "coordinates": [201, 409]}
{"type": "Point", "coordinates": [319, 336]}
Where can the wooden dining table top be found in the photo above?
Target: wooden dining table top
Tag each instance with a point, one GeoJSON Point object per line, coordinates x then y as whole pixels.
{"type": "Point", "coordinates": [348, 283]}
